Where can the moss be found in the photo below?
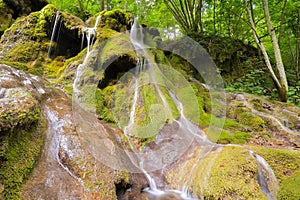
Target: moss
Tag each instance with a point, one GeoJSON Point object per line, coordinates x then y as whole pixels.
{"type": "Point", "coordinates": [290, 188]}
{"type": "Point", "coordinates": [241, 137]}
{"type": "Point", "coordinates": [118, 19]}
{"type": "Point", "coordinates": [5, 17]}
{"type": "Point", "coordinates": [245, 117]}
{"type": "Point", "coordinates": [102, 99]}
{"type": "Point", "coordinates": [228, 173]}
{"type": "Point", "coordinates": [21, 152]}
{"type": "Point", "coordinates": [54, 68]}
{"type": "Point", "coordinates": [16, 65]}
{"type": "Point", "coordinates": [13, 119]}
{"type": "Point", "coordinates": [218, 135]}
{"type": "Point", "coordinates": [30, 41]}
{"type": "Point", "coordinates": [286, 166]}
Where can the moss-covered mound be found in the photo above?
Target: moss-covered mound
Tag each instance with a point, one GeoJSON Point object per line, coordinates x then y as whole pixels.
{"type": "Point", "coordinates": [25, 45]}
{"type": "Point", "coordinates": [227, 173]}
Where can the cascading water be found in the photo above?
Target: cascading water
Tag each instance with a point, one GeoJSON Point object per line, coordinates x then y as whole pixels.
{"type": "Point", "coordinates": [53, 34]}
{"type": "Point", "coordinates": [188, 131]}
{"type": "Point", "coordinates": [144, 65]}
{"type": "Point", "coordinates": [264, 171]}
{"type": "Point", "coordinates": [90, 34]}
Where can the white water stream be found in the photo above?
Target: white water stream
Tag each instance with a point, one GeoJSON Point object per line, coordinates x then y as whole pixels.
{"type": "Point", "coordinates": [53, 34]}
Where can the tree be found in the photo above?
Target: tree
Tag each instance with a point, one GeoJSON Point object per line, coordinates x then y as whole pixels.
{"type": "Point", "coordinates": [187, 13]}
{"type": "Point", "coordinates": [281, 81]}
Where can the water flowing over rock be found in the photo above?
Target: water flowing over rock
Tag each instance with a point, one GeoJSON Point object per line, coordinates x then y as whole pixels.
{"type": "Point", "coordinates": [126, 117]}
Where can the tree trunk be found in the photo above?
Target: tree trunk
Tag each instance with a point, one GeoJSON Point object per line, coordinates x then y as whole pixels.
{"type": "Point", "coordinates": [280, 85]}
{"type": "Point", "coordinates": [101, 5]}
{"type": "Point", "coordinates": [298, 46]}
{"type": "Point", "coordinates": [281, 22]}
{"type": "Point", "coordinates": [80, 8]}
{"type": "Point", "coordinates": [292, 52]}
{"type": "Point", "coordinates": [283, 90]}
{"type": "Point", "coordinates": [214, 17]}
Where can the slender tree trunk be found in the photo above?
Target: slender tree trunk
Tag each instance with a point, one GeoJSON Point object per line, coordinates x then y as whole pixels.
{"type": "Point", "coordinates": [80, 8]}
{"type": "Point", "coordinates": [200, 16]}
{"type": "Point", "coordinates": [292, 51]}
{"type": "Point", "coordinates": [101, 5]}
{"type": "Point", "coordinates": [298, 46]}
{"type": "Point", "coordinates": [214, 17]}
{"type": "Point", "coordinates": [108, 7]}
{"type": "Point", "coordinates": [283, 90]}
{"type": "Point", "coordinates": [281, 22]}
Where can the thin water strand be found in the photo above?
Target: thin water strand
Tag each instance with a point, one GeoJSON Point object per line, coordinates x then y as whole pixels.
{"type": "Point", "coordinates": [57, 17]}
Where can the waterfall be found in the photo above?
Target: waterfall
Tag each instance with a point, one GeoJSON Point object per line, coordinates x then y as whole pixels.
{"type": "Point", "coordinates": [188, 130]}
{"type": "Point", "coordinates": [90, 34]}
{"type": "Point", "coordinates": [145, 65]}
{"type": "Point", "coordinates": [57, 17]}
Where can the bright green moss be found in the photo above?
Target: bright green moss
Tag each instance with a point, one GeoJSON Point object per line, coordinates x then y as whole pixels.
{"type": "Point", "coordinates": [19, 155]}
{"type": "Point", "coordinates": [286, 166]}
{"type": "Point", "coordinates": [290, 188]}
{"type": "Point", "coordinates": [5, 17]}
{"type": "Point", "coordinates": [228, 173]}
{"type": "Point", "coordinates": [245, 117]}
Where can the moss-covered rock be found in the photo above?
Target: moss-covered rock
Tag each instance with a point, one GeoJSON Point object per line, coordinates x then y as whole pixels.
{"type": "Point", "coordinates": [26, 43]}
{"type": "Point", "coordinates": [286, 166]}
{"type": "Point", "coordinates": [21, 128]}
{"type": "Point", "coordinates": [225, 173]}
{"type": "Point", "coordinates": [5, 17]}
{"type": "Point", "coordinates": [118, 20]}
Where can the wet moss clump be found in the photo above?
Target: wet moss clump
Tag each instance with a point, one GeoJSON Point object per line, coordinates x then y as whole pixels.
{"type": "Point", "coordinates": [286, 166]}
{"type": "Point", "coordinates": [252, 121]}
{"type": "Point", "coordinates": [118, 19]}
{"type": "Point", "coordinates": [26, 43]}
{"type": "Point", "coordinates": [20, 148]}
{"type": "Point", "coordinates": [227, 173]}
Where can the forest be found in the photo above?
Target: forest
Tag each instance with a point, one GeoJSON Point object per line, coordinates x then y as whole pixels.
{"type": "Point", "coordinates": [273, 27]}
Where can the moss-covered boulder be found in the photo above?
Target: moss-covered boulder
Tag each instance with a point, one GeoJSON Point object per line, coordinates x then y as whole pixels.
{"type": "Point", "coordinates": [224, 173]}
{"type": "Point", "coordinates": [21, 128]}
{"type": "Point", "coordinates": [25, 45]}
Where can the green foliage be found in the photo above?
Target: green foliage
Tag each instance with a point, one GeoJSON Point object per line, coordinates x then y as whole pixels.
{"type": "Point", "coordinates": [81, 8]}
